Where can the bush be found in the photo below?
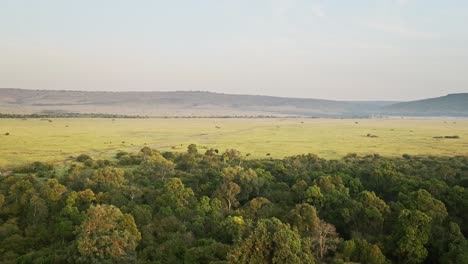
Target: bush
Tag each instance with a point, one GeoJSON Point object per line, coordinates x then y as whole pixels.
{"type": "Point", "coordinates": [83, 158]}
{"type": "Point", "coordinates": [125, 160]}
{"type": "Point", "coordinates": [36, 167]}
{"type": "Point", "coordinates": [168, 156]}
{"type": "Point", "coordinates": [120, 154]}
{"type": "Point", "coordinates": [103, 163]}
{"type": "Point", "coordinates": [90, 163]}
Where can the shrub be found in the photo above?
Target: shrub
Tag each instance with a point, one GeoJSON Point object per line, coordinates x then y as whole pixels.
{"type": "Point", "coordinates": [120, 154]}
{"type": "Point", "coordinates": [36, 167]}
{"type": "Point", "coordinates": [83, 158]}
{"type": "Point", "coordinates": [125, 160]}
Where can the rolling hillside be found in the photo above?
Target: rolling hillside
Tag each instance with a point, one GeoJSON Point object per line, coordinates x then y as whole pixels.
{"type": "Point", "coordinates": [449, 105]}
{"type": "Point", "coordinates": [191, 103]}
{"type": "Point", "coordinates": [179, 103]}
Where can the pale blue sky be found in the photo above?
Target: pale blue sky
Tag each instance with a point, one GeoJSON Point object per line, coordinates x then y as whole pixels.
{"type": "Point", "coordinates": [333, 49]}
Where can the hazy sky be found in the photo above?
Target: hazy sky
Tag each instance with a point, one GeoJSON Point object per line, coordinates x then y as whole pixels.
{"type": "Point", "coordinates": [333, 49]}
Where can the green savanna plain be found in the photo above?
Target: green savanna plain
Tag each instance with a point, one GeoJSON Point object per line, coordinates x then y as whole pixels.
{"type": "Point", "coordinates": [55, 140]}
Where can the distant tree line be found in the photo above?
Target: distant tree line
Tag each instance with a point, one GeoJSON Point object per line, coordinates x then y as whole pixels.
{"type": "Point", "coordinates": [69, 115]}
{"type": "Point", "coordinates": [98, 115]}
{"type": "Point", "coordinates": [218, 207]}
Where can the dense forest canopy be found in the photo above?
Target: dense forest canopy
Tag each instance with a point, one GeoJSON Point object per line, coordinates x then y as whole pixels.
{"type": "Point", "coordinates": [213, 207]}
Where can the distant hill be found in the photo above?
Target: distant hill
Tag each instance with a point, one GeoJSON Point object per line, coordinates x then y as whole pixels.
{"type": "Point", "coordinates": [179, 103]}
{"type": "Point", "coordinates": [449, 105]}
{"type": "Point", "coordinates": [192, 103]}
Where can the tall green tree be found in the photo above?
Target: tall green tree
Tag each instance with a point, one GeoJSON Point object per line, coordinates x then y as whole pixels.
{"type": "Point", "coordinates": [411, 235]}
{"type": "Point", "coordinates": [270, 242]}
{"type": "Point", "coordinates": [107, 235]}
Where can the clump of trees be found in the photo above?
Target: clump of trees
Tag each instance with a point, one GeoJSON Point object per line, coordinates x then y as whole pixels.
{"type": "Point", "coordinates": [217, 207]}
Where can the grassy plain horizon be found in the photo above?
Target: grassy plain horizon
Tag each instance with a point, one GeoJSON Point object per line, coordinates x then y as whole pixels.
{"type": "Point", "coordinates": [40, 140]}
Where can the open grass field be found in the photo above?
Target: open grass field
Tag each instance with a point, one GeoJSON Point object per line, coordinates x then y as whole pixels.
{"type": "Point", "coordinates": [34, 139]}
